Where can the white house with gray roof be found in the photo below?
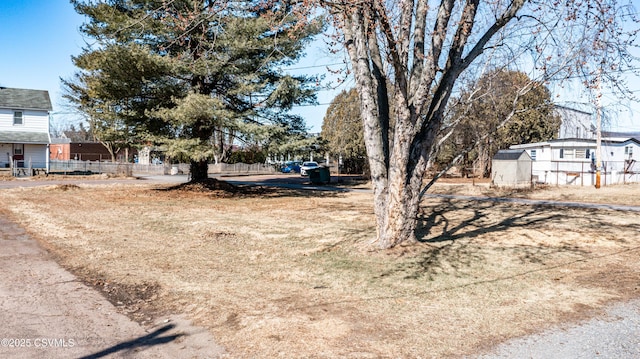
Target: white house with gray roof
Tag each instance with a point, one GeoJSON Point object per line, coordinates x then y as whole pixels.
{"type": "Point", "coordinates": [24, 128]}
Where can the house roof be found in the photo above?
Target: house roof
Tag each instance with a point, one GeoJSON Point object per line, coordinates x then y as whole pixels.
{"type": "Point", "coordinates": [635, 135]}
{"type": "Point", "coordinates": [635, 140]}
{"type": "Point", "coordinates": [24, 137]}
{"type": "Point", "coordinates": [565, 108]}
{"type": "Point", "coordinates": [25, 99]}
{"type": "Point", "coordinates": [529, 145]}
{"type": "Point", "coordinates": [509, 154]}
{"type": "Point", "coordinates": [60, 140]}
{"type": "Point", "coordinates": [569, 142]}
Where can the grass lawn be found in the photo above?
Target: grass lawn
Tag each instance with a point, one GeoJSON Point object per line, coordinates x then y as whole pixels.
{"type": "Point", "coordinates": [285, 273]}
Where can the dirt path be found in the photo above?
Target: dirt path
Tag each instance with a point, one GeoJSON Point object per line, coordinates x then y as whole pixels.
{"type": "Point", "coordinates": [46, 312]}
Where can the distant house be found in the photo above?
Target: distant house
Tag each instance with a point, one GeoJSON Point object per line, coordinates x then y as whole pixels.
{"type": "Point", "coordinates": [62, 149]}
{"type": "Point", "coordinates": [24, 128]}
{"type": "Point", "coordinates": [572, 160]}
{"type": "Point", "coordinates": [59, 149]}
{"type": "Point", "coordinates": [575, 123]}
{"type": "Point", "coordinates": [511, 168]}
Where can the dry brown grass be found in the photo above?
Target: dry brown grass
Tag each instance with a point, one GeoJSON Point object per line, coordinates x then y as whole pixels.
{"type": "Point", "coordinates": [627, 194]}
{"type": "Point", "coordinates": [285, 273]}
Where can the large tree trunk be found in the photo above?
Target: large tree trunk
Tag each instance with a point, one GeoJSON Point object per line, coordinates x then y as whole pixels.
{"type": "Point", "coordinates": [396, 192]}
{"type": "Point", "coordinates": [199, 170]}
{"type": "Point", "coordinates": [398, 218]}
{"type": "Point", "coordinates": [422, 80]}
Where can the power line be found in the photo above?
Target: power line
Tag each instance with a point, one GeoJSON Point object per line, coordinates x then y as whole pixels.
{"type": "Point", "coordinates": [314, 66]}
{"type": "Point", "coordinates": [318, 104]}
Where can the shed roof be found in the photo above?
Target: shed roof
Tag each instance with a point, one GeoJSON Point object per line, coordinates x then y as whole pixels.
{"type": "Point", "coordinates": [573, 142]}
{"type": "Point", "coordinates": [510, 155]}
{"type": "Point", "coordinates": [25, 99]}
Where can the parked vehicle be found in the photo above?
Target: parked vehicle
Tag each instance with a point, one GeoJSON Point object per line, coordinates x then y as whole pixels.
{"type": "Point", "coordinates": [306, 166]}
{"type": "Point", "coordinates": [291, 167]}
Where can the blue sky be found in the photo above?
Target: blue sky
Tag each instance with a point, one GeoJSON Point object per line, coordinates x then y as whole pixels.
{"type": "Point", "coordinates": [38, 38]}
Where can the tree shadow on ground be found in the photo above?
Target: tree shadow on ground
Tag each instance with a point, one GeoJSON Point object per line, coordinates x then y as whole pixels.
{"type": "Point", "coordinates": [343, 180]}
{"type": "Point", "coordinates": [447, 233]}
{"type": "Point", "coordinates": [435, 216]}
{"type": "Point", "coordinates": [223, 189]}
{"type": "Point", "coordinates": [148, 340]}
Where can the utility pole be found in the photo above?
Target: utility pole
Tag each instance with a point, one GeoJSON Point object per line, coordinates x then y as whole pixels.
{"type": "Point", "coordinates": [599, 114]}
{"type": "Point", "coordinates": [598, 129]}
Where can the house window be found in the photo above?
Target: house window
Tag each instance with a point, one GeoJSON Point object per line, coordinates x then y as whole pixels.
{"type": "Point", "coordinates": [570, 153]}
{"type": "Point", "coordinates": [628, 151]}
{"type": "Point", "coordinates": [17, 117]}
{"type": "Point", "coordinates": [533, 155]}
{"type": "Point", "coordinates": [581, 153]}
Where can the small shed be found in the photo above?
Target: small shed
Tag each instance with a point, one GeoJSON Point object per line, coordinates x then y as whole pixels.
{"type": "Point", "coordinates": [511, 168]}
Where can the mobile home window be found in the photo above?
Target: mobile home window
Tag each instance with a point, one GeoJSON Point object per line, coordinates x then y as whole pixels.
{"type": "Point", "coordinates": [570, 153]}
{"type": "Point", "coordinates": [533, 155]}
{"type": "Point", "coordinates": [17, 117]}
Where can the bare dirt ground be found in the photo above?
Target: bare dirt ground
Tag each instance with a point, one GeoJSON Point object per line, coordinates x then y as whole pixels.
{"type": "Point", "coordinates": [47, 312]}
{"type": "Point", "coordinates": [275, 272]}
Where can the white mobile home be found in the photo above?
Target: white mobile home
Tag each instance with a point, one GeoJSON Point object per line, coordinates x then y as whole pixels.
{"type": "Point", "coordinates": [573, 161]}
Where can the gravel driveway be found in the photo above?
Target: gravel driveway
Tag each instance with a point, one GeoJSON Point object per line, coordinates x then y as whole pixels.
{"type": "Point", "coordinates": [615, 335]}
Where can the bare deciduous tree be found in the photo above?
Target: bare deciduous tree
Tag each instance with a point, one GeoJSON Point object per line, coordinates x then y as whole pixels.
{"type": "Point", "coordinates": [409, 56]}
